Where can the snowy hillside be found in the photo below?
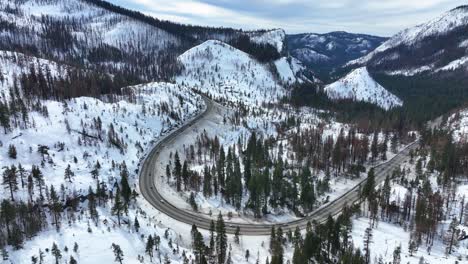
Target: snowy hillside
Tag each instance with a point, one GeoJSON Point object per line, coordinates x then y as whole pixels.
{"type": "Point", "coordinates": [95, 141]}
{"type": "Point", "coordinates": [359, 86]}
{"type": "Point", "coordinates": [13, 64]}
{"type": "Point", "coordinates": [291, 70]}
{"type": "Point", "coordinates": [439, 45]}
{"type": "Point", "coordinates": [228, 73]}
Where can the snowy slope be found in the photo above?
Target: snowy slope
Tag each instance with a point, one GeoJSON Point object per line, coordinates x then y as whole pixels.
{"type": "Point", "coordinates": [359, 86]}
{"type": "Point", "coordinates": [14, 64]}
{"type": "Point", "coordinates": [290, 70]}
{"type": "Point", "coordinates": [434, 41]}
{"type": "Point", "coordinates": [151, 111]}
{"type": "Point", "coordinates": [228, 73]}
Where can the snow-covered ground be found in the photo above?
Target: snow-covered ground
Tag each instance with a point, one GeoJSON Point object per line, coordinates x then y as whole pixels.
{"type": "Point", "coordinates": [389, 235]}
{"type": "Point", "coordinates": [136, 121]}
{"type": "Point", "coordinates": [360, 86]}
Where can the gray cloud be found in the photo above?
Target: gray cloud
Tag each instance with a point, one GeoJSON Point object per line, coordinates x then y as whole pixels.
{"type": "Point", "coordinates": [380, 17]}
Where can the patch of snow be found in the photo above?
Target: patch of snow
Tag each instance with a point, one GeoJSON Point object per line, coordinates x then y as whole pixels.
{"type": "Point", "coordinates": [275, 37]}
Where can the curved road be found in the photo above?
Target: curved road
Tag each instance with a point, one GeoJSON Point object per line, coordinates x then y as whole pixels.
{"type": "Point", "coordinates": [151, 194]}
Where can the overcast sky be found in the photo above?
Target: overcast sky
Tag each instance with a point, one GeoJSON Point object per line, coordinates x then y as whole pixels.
{"type": "Point", "coordinates": [378, 17]}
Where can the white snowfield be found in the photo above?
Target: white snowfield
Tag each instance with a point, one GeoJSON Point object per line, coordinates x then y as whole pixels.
{"type": "Point", "coordinates": [360, 86]}
{"type": "Point", "coordinates": [225, 72]}
{"type": "Point", "coordinates": [411, 36]}
{"type": "Point", "coordinates": [290, 70]}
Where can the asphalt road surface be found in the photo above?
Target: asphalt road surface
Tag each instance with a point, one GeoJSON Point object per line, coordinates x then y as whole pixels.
{"type": "Point", "coordinates": [151, 194]}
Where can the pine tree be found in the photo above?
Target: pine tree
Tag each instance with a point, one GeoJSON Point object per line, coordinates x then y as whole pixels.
{"type": "Point", "coordinates": [72, 260]}
{"type": "Point", "coordinates": [55, 206]}
{"type": "Point", "coordinates": [12, 151]}
{"type": "Point", "coordinates": [69, 174]}
{"type": "Point", "coordinates": [397, 255]}
{"type": "Point", "coordinates": [369, 186]}
{"type": "Point", "coordinates": [185, 174]}
{"type": "Point", "coordinates": [207, 182]}
{"type": "Point", "coordinates": [118, 253]}
{"type": "Point", "coordinates": [126, 190]}
{"type": "Point", "coordinates": [221, 239]}
{"type": "Point", "coordinates": [93, 213]}
{"type": "Point", "coordinates": [10, 181]}
{"type": "Point", "coordinates": [22, 174]}
{"type": "Point", "coordinates": [375, 146]}
{"type": "Point", "coordinates": [136, 224]}
{"type": "Point", "coordinates": [56, 253]}
{"type": "Point", "coordinates": [4, 117]}
{"type": "Point", "coordinates": [150, 247]}
{"type": "Point", "coordinates": [212, 237]}
{"type": "Point", "coordinates": [451, 234]}
{"type": "Point", "coordinates": [38, 177]}
{"type": "Point", "coordinates": [367, 242]}
{"type": "Point", "coordinates": [118, 207]}
{"type": "Point", "coordinates": [178, 171]}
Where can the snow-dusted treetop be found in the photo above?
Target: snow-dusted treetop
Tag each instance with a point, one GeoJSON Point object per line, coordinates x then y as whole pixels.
{"type": "Point", "coordinates": [360, 86]}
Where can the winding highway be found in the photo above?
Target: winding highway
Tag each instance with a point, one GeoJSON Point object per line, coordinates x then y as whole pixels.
{"type": "Point", "coordinates": [149, 190]}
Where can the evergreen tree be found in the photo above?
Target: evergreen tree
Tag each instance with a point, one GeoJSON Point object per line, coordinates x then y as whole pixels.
{"type": "Point", "coordinates": [150, 247]}
{"type": "Point", "coordinates": [38, 178]}
{"type": "Point", "coordinates": [367, 242]}
{"type": "Point", "coordinates": [221, 239]}
{"type": "Point", "coordinates": [10, 180]}
{"type": "Point", "coordinates": [55, 206]}
{"type": "Point", "coordinates": [12, 151]}
{"type": "Point", "coordinates": [56, 253]}
{"type": "Point", "coordinates": [126, 190]}
{"type": "Point", "coordinates": [118, 207]}
{"type": "Point", "coordinates": [69, 174]}
{"type": "Point", "coordinates": [72, 260]}
{"type": "Point", "coordinates": [118, 253]}
{"type": "Point", "coordinates": [178, 171]}
{"type": "Point", "coordinates": [369, 186]}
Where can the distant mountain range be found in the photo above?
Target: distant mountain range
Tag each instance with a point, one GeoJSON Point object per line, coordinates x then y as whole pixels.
{"type": "Point", "coordinates": [426, 66]}
{"type": "Point", "coordinates": [325, 53]}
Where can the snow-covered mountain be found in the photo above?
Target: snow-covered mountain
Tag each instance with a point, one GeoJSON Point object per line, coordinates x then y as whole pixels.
{"type": "Point", "coordinates": [437, 46]}
{"type": "Point", "coordinates": [96, 34]}
{"type": "Point", "coordinates": [326, 52]}
{"type": "Point", "coordinates": [360, 86]}
{"type": "Point", "coordinates": [225, 72]}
